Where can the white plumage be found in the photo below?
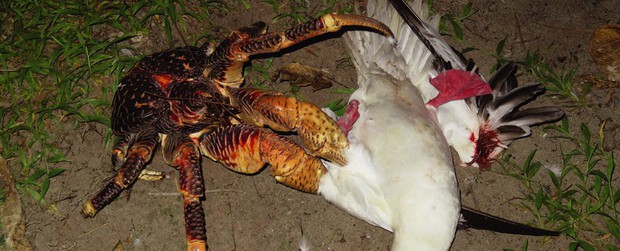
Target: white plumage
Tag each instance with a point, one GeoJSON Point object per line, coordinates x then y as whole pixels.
{"type": "Point", "coordinates": [400, 174]}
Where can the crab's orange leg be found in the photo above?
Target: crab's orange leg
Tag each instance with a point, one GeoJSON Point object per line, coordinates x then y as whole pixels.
{"type": "Point", "coordinates": [139, 153]}
{"type": "Point", "coordinates": [319, 133]}
{"type": "Point", "coordinates": [247, 149]}
{"type": "Point", "coordinates": [181, 152]}
{"type": "Point", "coordinates": [230, 56]}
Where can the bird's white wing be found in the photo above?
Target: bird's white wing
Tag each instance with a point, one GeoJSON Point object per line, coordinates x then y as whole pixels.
{"type": "Point", "coordinates": [478, 128]}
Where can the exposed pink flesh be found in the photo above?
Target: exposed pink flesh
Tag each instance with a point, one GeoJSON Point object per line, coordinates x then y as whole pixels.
{"type": "Point", "coordinates": [457, 84]}
{"type": "Point", "coordinates": [349, 117]}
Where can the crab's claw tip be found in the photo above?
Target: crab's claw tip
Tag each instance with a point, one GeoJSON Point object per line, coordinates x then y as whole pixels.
{"type": "Point", "coordinates": [88, 210]}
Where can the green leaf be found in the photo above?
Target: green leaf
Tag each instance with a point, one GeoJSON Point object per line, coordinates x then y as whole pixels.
{"type": "Point", "coordinates": [346, 90]}
{"type": "Point", "coordinates": [337, 106]}
{"type": "Point", "coordinates": [585, 245]}
{"type": "Point", "coordinates": [598, 174]}
{"type": "Point", "coordinates": [245, 4]}
{"type": "Point", "coordinates": [467, 10]}
{"type": "Point", "coordinates": [500, 46]}
{"type": "Point", "coordinates": [44, 187]}
{"type": "Point", "coordinates": [585, 131]}
{"type": "Point", "coordinates": [468, 49]}
{"type": "Point", "coordinates": [38, 173]}
{"type": "Point", "coordinates": [458, 33]}
{"type": "Point", "coordinates": [35, 194]}
{"type": "Point", "coordinates": [55, 172]}
{"type": "Point", "coordinates": [525, 245]}
{"type": "Point", "coordinates": [538, 200]}
{"type": "Point", "coordinates": [555, 180]}
{"type": "Point", "coordinates": [168, 30]}
{"type": "Point", "coordinates": [613, 228]}
{"type": "Point", "coordinates": [611, 166]}
{"type": "Point", "coordinates": [530, 168]}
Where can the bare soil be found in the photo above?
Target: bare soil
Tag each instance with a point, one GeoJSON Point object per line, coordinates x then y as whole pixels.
{"type": "Point", "coordinates": [253, 212]}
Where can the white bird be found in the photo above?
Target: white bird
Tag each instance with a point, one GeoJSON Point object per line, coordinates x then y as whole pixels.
{"type": "Point", "coordinates": [400, 174]}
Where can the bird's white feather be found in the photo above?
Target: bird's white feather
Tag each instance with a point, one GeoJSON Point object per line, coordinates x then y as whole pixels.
{"type": "Point", "coordinates": [411, 60]}
{"type": "Point", "coordinates": [400, 174]}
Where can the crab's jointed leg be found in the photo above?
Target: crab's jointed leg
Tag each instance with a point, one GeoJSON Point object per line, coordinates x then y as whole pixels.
{"type": "Point", "coordinates": [247, 149]}
{"type": "Point", "coordinates": [182, 153]}
{"type": "Point", "coordinates": [319, 133]}
{"type": "Point", "coordinates": [138, 154]}
{"type": "Point", "coordinates": [230, 56]}
{"type": "Point", "coordinates": [119, 151]}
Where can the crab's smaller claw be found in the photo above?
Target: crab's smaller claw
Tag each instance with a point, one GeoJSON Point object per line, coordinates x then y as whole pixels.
{"type": "Point", "coordinates": [320, 134]}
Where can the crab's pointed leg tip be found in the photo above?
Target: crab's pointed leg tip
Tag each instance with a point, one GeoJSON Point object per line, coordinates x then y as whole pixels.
{"type": "Point", "coordinates": [393, 41]}
{"type": "Point", "coordinates": [196, 246]}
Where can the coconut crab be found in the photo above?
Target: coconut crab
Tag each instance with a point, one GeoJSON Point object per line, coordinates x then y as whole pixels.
{"type": "Point", "coordinates": [189, 100]}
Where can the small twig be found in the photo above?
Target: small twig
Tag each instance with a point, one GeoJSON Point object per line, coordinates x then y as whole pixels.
{"type": "Point", "coordinates": [256, 189]}
{"type": "Point", "coordinates": [59, 246]}
{"type": "Point", "coordinates": [518, 22]}
{"type": "Point", "coordinates": [93, 230]}
{"type": "Point", "coordinates": [165, 194]}
{"type": "Point", "coordinates": [232, 226]}
{"type": "Point", "coordinates": [208, 191]}
{"type": "Point", "coordinates": [558, 27]}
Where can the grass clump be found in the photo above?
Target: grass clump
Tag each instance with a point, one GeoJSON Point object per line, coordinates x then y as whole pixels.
{"type": "Point", "coordinates": [580, 197]}
{"type": "Point", "coordinates": [560, 82]}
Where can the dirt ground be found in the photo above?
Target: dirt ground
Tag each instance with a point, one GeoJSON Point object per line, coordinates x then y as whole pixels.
{"type": "Point", "coordinates": [255, 213]}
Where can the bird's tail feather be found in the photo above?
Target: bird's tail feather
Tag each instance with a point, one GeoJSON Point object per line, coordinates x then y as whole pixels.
{"type": "Point", "coordinates": [471, 218]}
{"type": "Point", "coordinates": [502, 108]}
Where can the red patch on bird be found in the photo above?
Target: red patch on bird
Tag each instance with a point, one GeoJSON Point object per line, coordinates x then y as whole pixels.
{"type": "Point", "coordinates": [349, 117]}
{"type": "Point", "coordinates": [163, 80]}
{"type": "Point", "coordinates": [457, 84]}
{"type": "Point", "coordinates": [488, 140]}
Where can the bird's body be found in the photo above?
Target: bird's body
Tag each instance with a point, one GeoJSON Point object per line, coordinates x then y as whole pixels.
{"type": "Point", "coordinates": [400, 175]}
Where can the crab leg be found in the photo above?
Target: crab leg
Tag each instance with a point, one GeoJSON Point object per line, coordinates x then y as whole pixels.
{"type": "Point", "coordinates": [139, 153]}
{"type": "Point", "coordinates": [239, 46]}
{"type": "Point", "coordinates": [247, 149]}
{"type": "Point", "coordinates": [119, 151]}
{"type": "Point", "coordinates": [181, 152]}
{"type": "Point", "coordinates": [320, 134]}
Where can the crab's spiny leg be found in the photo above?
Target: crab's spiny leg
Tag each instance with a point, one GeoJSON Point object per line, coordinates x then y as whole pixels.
{"type": "Point", "coordinates": [138, 154]}
{"type": "Point", "coordinates": [247, 149]}
{"type": "Point", "coordinates": [119, 151]}
{"type": "Point", "coordinates": [233, 53]}
{"type": "Point", "coordinates": [319, 133]}
{"type": "Point", "coordinates": [181, 152]}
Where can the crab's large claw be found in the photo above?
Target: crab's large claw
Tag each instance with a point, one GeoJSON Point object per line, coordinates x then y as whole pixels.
{"type": "Point", "coordinates": [247, 149]}
{"type": "Point", "coordinates": [320, 135]}
{"type": "Point", "coordinates": [226, 63]}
